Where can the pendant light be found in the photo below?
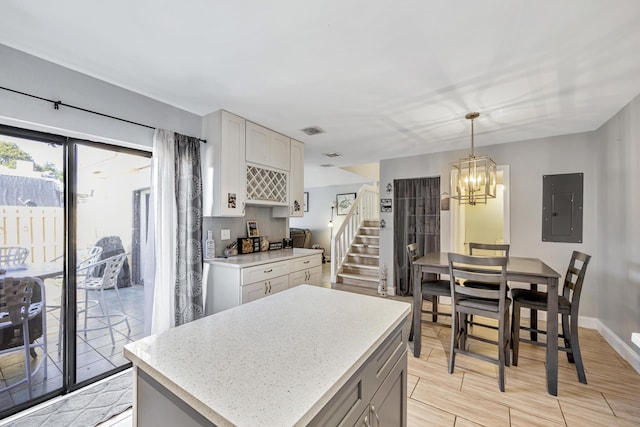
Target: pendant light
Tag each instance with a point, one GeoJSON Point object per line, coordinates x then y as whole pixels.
{"type": "Point", "coordinates": [473, 179]}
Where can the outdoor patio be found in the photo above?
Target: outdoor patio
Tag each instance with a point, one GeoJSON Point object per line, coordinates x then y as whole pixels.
{"type": "Point", "coordinates": [95, 352]}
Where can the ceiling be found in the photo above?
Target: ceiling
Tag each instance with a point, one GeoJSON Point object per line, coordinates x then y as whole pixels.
{"type": "Point", "coordinates": [383, 80]}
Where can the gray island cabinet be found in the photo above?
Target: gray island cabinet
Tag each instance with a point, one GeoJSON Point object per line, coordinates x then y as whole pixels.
{"type": "Point", "coordinates": [304, 356]}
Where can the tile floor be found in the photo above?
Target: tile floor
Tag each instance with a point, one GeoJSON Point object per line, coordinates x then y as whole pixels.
{"type": "Point", "coordinates": [470, 396]}
{"type": "Point", "coordinates": [95, 352]}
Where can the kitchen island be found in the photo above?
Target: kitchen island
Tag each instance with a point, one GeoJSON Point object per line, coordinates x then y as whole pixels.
{"type": "Point", "coordinates": [305, 356]}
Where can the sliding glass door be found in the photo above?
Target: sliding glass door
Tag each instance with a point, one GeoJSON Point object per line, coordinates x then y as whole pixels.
{"type": "Point", "coordinates": [79, 210]}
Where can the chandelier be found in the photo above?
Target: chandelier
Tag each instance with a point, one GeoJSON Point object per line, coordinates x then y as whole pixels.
{"type": "Point", "coordinates": [473, 179]}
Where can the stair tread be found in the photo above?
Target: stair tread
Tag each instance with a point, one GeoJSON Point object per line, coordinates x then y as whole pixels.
{"type": "Point", "coordinates": [368, 236]}
{"type": "Point", "coordinates": [364, 255]}
{"type": "Point", "coordinates": [365, 266]}
{"type": "Point", "coordinates": [360, 277]}
{"type": "Point", "coordinates": [366, 245]}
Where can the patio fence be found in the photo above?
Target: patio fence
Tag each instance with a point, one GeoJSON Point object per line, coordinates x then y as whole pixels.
{"type": "Point", "coordinates": [39, 229]}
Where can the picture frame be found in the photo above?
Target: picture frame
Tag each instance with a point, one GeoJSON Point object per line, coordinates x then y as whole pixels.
{"type": "Point", "coordinates": [385, 205]}
{"type": "Point", "coordinates": [344, 202]}
{"type": "Point", "coordinates": [305, 201]}
{"type": "Point", "coordinates": [252, 229]}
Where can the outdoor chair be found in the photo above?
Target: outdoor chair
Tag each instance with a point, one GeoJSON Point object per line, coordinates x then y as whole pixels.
{"type": "Point", "coordinates": [21, 303]}
{"type": "Point", "coordinates": [568, 304]}
{"type": "Point", "coordinates": [99, 277]}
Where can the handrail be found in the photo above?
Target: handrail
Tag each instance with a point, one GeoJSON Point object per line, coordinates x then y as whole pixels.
{"type": "Point", "coordinates": [365, 207]}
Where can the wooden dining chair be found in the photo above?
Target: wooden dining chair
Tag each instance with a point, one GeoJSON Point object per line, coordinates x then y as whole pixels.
{"type": "Point", "coordinates": [568, 304]}
{"type": "Point", "coordinates": [431, 290]}
{"type": "Point", "coordinates": [491, 302]}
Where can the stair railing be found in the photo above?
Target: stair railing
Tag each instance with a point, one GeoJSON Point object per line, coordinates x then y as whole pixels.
{"type": "Point", "coordinates": [365, 207]}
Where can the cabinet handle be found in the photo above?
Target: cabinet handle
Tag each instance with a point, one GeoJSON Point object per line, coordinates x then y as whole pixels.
{"type": "Point", "coordinates": [307, 261]}
{"type": "Point", "coordinates": [265, 288]}
{"type": "Point", "coordinates": [243, 203]}
{"type": "Point", "coordinates": [366, 421]}
{"type": "Point", "coordinates": [373, 409]}
{"type": "Point", "coordinates": [269, 286]}
{"type": "Point", "coordinates": [269, 270]}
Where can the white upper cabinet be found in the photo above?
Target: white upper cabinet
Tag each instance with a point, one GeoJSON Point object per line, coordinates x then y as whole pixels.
{"type": "Point", "coordinates": [266, 147]}
{"type": "Point", "coordinates": [223, 165]}
{"type": "Point", "coordinates": [296, 184]}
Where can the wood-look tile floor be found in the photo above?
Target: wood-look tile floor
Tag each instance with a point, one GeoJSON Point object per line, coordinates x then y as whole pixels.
{"type": "Point", "coordinates": [470, 396]}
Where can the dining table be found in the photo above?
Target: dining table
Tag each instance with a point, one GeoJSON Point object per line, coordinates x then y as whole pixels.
{"type": "Point", "coordinates": [525, 270]}
{"type": "Point", "coordinates": [43, 271]}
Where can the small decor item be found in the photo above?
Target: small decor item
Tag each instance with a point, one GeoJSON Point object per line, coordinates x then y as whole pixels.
{"type": "Point", "coordinates": [287, 243]}
{"type": "Point", "coordinates": [444, 201]}
{"type": "Point", "coordinates": [256, 244]}
{"type": "Point", "coordinates": [274, 246]}
{"type": "Point", "coordinates": [306, 201]}
{"type": "Point", "coordinates": [385, 205]}
{"type": "Point", "coordinates": [252, 229]}
{"type": "Point", "coordinates": [264, 244]}
{"type": "Point", "coordinates": [245, 245]}
{"type": "Point", "coordinates": [344, 202]}
{"type": "Point", "coordinates": [231, 200]}
{"type": "Point", "coordinates": [209, 246]}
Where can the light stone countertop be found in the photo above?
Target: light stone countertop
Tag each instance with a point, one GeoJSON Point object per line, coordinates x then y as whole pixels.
{"type": "Point", "coordinates": [273, 362]}
{"type": "Point", "coordinates": [635, 338]}
{"type": "Point", "coordinates": [258, 258]}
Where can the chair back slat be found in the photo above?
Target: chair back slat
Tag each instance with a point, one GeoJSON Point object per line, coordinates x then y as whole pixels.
{"type": "Point", "coordinates": [15, 299]}
{"type": "Point", "coordinates": [478, 268]}
{"type": "Point", "coordinates": [112, 269]}
{"type": "Point", "coordinates": [13, 255]}
{"type": "Point", "coordinates": [495, 247]}
{"type": "Point", "coordinates": [573, 280]}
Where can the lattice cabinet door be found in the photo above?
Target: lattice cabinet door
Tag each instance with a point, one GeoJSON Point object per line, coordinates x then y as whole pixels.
{"type": "Point", "coordinates": [266, 186]}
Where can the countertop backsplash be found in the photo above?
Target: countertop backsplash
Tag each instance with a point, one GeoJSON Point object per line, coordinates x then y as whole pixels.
{"type": "Point", "coordinates": [275, 229]}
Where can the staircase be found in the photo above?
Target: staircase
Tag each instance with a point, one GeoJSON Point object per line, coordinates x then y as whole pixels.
{"type": "Point", "coordinates": [361, 267]}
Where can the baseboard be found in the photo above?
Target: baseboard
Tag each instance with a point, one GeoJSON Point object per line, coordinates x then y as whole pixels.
{"type": "Point", "coordinates": [619, 345]}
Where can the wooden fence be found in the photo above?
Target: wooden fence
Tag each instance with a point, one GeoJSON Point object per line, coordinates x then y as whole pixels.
{"type": "Point", "coordinates": [39, 229]}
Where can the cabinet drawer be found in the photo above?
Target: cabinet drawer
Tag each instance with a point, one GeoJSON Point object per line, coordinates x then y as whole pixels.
{"type": "Point", "coordinates": [310, 276]}
{"type": "Point", "coordinates": [389, 353]}
{"type": "Point", "coordinates": [304, 263]}
{"type": "Point", "coordinates": [264, 272]}
{"type": "Point", "coordinates": [264, 288]}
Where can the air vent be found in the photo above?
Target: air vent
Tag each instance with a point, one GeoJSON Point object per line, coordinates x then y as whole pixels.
{"type": "Point", "coordinates": [330, 155]}
{"type": "Point", "coordinates": [312, 130]}
{"type": "Point", "coordinates": [327, 165]}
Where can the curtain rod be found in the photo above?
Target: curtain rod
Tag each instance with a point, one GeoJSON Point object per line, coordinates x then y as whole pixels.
{"type": "Point", "coordinates": [57, 104]}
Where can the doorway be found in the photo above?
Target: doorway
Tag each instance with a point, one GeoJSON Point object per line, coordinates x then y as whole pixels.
{"type": "Point", "coordinates": [488, 223]}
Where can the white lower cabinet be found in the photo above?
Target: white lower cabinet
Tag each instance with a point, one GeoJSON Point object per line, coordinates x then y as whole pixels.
{"type": "Point", "coordinates": [230, 285]}
{"type": "Point", "coordinates": [305, 270]}
{"type": "Point", "coordinates": [262, 289]}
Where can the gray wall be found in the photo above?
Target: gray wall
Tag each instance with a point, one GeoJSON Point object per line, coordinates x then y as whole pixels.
{"type": "Point", "coordinates": [528, 162]}
{"type": "Point", "coordinates": [618, 157]}
{"type": "Point", "coordinates": [317, 219]}
{"type": "Point", "coordinates": [273, 228]}
{"type": "Point", "coordinates": [26, 73]}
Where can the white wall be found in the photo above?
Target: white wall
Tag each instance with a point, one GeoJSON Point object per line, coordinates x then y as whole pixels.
{"type": "Point", "coordinates": [528, 161]}
{"type": "Point", "coordinates": [26, 73]}
{"type": "Point", "coordinates": [317, 219]}
{"type": "Point", "coordinates": [618, 159]}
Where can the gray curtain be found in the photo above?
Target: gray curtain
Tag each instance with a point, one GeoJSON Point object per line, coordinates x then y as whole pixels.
{"type": "Point", "coordinates": [416, 220]}
{"type": "Point", "coordinates": [189, 302]}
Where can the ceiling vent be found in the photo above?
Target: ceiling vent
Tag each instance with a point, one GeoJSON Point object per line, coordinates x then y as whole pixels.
{"type": "Point", "coordinates": [312, 130]}
{"type": "Point", "coordinates": [327, 165]}
{"type": "Point", "coordinates": [330, 155]}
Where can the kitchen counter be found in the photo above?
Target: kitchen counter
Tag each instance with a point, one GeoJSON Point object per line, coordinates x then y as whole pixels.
{"type": "Point", "coordinates": [276, 361]}
{"type": "Point", "coordinates": [258, 258]}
